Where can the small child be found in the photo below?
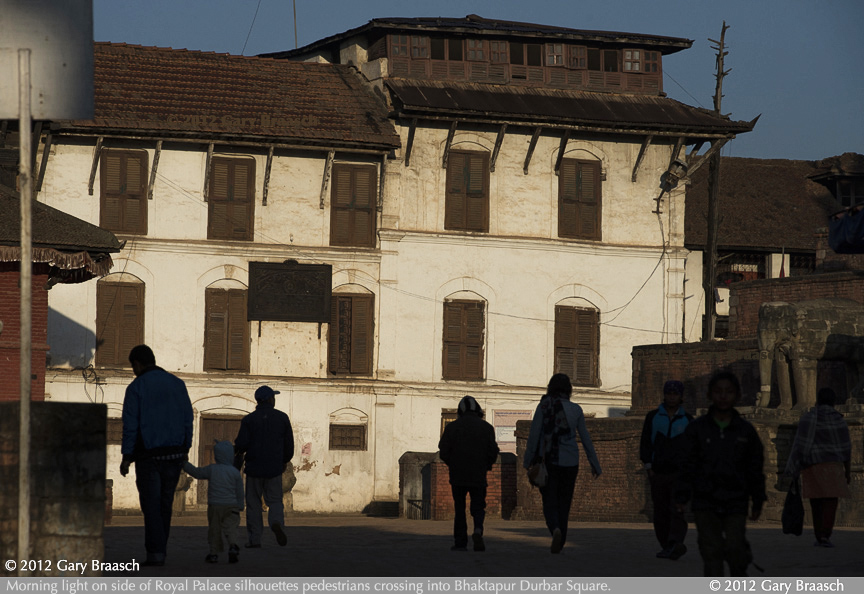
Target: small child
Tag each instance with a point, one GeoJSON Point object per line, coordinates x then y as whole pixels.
{"type": "Point", "coordinates": [225, 499]}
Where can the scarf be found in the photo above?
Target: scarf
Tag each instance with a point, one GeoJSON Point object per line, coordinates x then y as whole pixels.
{"type": "Point", "coordinates": [555, 426]}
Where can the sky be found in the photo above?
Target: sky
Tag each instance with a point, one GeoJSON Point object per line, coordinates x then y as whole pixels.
{"type": "Point", "coordinates": [798, 63]}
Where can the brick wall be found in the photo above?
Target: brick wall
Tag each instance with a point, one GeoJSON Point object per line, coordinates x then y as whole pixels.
{"type": "Point", "coordinates": [10, 346]}
{"type": "Point", "coordinates": [500, 490]}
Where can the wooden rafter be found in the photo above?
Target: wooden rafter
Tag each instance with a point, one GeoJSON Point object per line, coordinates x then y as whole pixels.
{"type": "Point", "coordinates": [267, 176]}
{"type": "Point", "coordinates": [531, 147]}
{"type": "Point", "coordinates": [97, 151]}
{"type": "Point", "coordinates": [450, 135]}
{"type": "Point", "coordinates": [562, 148]}
{"type": "Point", "coordinates": [497, 148]}
{"type": "Point", "coordinates": [410, 144]}
{"type": "Point", "coordinates": [381, 178]}
{"type": "Point", "coordinates": [715, 146]}
{"type": "Point", "coordinates": [645, 144]}
{"type": "Point", "coordinates": [156, 154]}
{"type": "Point", "coordinates": [207, 170]}
{"type": "Point", "coordinates": [325, 182]}
{"type": "Point", "coordinates": [46, 151]}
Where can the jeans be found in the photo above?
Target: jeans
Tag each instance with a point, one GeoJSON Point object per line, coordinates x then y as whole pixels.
{"type": "Point", "coordinates": [222, 521]}
{"type": "Point", "coordinates": [156, 481]}
{"type": "Point", "coordinates": [670, 525]}
{"type": "Point", "coordinates": [558, 496]}
{"type": "Point", "coordinates": [271, 490]}
{"type": "Point", "coordinates": [478, 511]}
{"type": "Point", "coordinates": [721, 538]}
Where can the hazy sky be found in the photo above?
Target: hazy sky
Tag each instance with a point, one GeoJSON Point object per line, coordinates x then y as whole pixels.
{"type": "Point", "coordinates": [796, 62]}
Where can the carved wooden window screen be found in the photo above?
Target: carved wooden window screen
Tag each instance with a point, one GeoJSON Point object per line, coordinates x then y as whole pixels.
{"type": "Point", "coordinates": [348, 437]}
{"type": "Point", "coordinates": [350, 342]}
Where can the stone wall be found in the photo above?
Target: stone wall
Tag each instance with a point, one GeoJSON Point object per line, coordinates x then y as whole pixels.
{"type": "Point", "coordinates": [67, 482]}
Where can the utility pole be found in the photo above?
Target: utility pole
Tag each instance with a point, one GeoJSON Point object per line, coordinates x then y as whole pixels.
{"type": "Point", "coordinates": [709, 275]}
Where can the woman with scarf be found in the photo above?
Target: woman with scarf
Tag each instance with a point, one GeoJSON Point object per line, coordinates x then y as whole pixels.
{"type": "Point", "coordinates": [556, 425]}
{"type": "Point", "coordinates": [821, 454]}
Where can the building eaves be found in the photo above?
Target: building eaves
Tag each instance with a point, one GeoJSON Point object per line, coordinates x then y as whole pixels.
{"type": "Point", "coordinates": [479, 26]}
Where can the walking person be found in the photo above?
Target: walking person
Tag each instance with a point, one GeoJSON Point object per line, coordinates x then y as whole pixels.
{"type": "Point", "coordinates": [660, 450]}
{"type": "Point", "coordinates": [722, 474]}
{"type": "Point", "coordinates": [157, 435]}
{"type": "Point", "coordinates": [266, 442]}
{"type": "Point", "coordinates": [822, 454]}
{"type": "Point", "coordinates": [556, 425]}
{"type": "Point", "coordinates": [469, 450]}
{"type": "Point", "coordinates": [224, 501]}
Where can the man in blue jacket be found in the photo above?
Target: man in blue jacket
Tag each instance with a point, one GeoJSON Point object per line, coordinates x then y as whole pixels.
{"type": "Point", "coordinates": [157, 435]}
{"type": "Point", "coordinates": [267, 442]}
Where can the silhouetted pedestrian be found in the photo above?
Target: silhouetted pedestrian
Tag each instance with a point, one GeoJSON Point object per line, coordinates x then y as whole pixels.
{"type": "Point", "coordinates": [556, 425]}
{"type": "Point", "coordinates": [157, 435]}
{"type": "Point", "coordinates": [661, 449]}
{"type": "Point", "coordinates": [722, 473]}
{"type": "Point", "coordinates": [469, 449]}
{"type": "Point", "coordinates": [266, 441]}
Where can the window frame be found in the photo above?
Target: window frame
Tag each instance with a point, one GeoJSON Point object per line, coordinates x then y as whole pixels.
{"type": "Point", "coordinates": [360, 351]}
{"type": "Point", "coordinates": [214, 232]}
{"type": "Point", "coordinates": [476, 46]}
{"type": "Point", "coordinates": [468, 218]}
{"type": "Point", "coordinates": [113, 315]}
{"type": "Point", "coordinates": [333, 439]}
{"type": "Point", "coordinates": [577, 57]}
{"type": "Point", "coordinates": [348, 214]}
{"type": "Point", "coordinates": [124, 195]}
{"type": "Point", "coordinates": [400, 46]}
{"type": "Point", "coordinates": [499, 52]}
{"type": "Point", "coordinates": [572, 226]}
{"type": "Point", "coordinates": [584, 342]}
{"type": "Point", "coordinates": [419, 47]}
{"type": "Point", "coordinates": [555, 51]}
{"type": "Point", "coordinates": [458, 313]}
{"type": "Point", "coordinates": [232, 305]}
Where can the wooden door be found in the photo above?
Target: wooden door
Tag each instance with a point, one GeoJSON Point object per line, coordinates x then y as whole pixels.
{"type": "Point", "coordinates": [214, 428]}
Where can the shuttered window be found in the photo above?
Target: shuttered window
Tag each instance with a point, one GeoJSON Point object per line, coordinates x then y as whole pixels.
{"type": "Point", "coordinates": [226, 330]}
{"type": "Point", "coordinates": [467, 204]}
{"type": "Point", "coordinates": [579, 199]}
{"type": "Point", "coordinates": [231, 199]}
{"type": "Point", "coordinates": [464, 335]}
{"type": "Point", "coordinates": [351, 332]}
{"type": "Point", "coordinates": [123, 191]}
{"type": "Point", "coordinates": [119, 322]}
{"type": "Point", "coordinates": [354, 189]}
{"type": "Point", "coordinates": [577, 344]}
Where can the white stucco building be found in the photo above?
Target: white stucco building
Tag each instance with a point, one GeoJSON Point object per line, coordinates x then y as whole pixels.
{"type": "Point", "coordinates": [469, 205]}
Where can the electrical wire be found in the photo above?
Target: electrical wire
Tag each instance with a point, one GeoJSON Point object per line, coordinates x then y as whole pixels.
{"type": "Point", "coordinates": [250, 28]}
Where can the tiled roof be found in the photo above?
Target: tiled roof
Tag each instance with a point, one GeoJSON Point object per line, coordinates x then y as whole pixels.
{"type": "Point", "coordinates": [765, 204]}
{"type": "Point", "coordinates": [847, 164]}
{"type": "Point", "coordinates": [477, 25]}
{"type": "Point", "coordinates": [532, 105]}
{"type": "Point", "coordinates": [167, 92]}
{"type": "Point", "coordinates": [53, 228]}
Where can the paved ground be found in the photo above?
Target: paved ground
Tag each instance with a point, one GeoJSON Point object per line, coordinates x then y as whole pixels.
{"type": "Point", "coordinates": [360, 546]}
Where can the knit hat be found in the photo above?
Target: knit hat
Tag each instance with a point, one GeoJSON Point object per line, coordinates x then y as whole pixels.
{"type": "Point", "coordinates": [673, 387]}
{"type": "Point", "coordinates": [470, 405]}
{"type": "Point", "coordinates": [264, 393]}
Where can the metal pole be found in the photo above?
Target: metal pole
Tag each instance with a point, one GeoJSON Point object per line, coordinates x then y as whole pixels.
{"type": "Point", "coordinates": [26, 275]}
{"type": "Point", "coordinates": [294, 3]}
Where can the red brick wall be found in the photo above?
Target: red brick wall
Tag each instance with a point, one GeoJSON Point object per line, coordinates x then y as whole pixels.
{"type": "Point", "coordinates": [10, 353]}
{"type": "Point", "coordinates": [500, 492]}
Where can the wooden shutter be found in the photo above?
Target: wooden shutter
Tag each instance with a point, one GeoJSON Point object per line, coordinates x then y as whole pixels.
{"type": "Point", "coordinates": [464, 327]}
{"type": "Point", "coordinates": [123, 190]}
{"type": "Point", "coordinates": [466, 206]}
{"type": "Point", "coordinates": [579, 199]}
{"type": "Point", "coordinates": [350, 340]}
{"type": "Point", "coordinates": [353, 205]}
{"type": "Point", "coordinates": [238, 331]}
{"type": "Point", "coordinates": [226, 333]}
{"type": "Point", "coordinates": [577, 340]}
{"type": "Point", "coordinates": [231, 199]}
{"type": "Point", "coordinates": [119, 321]}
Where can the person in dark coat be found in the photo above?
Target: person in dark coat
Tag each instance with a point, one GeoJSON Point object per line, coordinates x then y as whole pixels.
{"type": "Point", "coordinates": [722, 474]}
{"type": "Point", "coordinates": [266, 441]}
{"type": "Point", "coordinates": [469, 450]}
{"type": "Point", "coordinates": [660, 450]}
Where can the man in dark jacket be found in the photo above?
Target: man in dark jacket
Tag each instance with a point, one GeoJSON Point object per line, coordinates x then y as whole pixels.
{"type": "Point", "coordinates": [157, 435]}
{"type": "Point", "coordinates": [660, 450]}
{"type": "Point", "coordinates": [469, 449]}
{"type": "Point", "coordinates": [722, 473]}
{"type": "Point", "coordinates": [267, 441]}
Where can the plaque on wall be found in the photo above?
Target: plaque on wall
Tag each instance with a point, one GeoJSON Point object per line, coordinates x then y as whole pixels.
{"type": "Point", "coordinates": [289, 292]}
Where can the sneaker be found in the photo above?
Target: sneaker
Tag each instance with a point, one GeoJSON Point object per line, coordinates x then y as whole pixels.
{"type": "Point", "coordinates": [211, 558]}
{"type": "Point", "coordinates": [664, 554]}
{"type": "Point", "coordinates": [233, 554]}
{"type": "Point", "coordinates": [677, 551]}
{"type": "Point", "coordinates": [249, 545]}
{"type": "Point", "coordinates": [154, 560]}
{"type": "Point", "coordinates": [459, 548]}
{"type": "Point", "coordinates": [479, 545]}
{"type": "Point", "coordinates": [557, 541]}
{"type": "Point", "coordinates": [280, 534]}
{"type": "Point", "coordinates": [825, 542]}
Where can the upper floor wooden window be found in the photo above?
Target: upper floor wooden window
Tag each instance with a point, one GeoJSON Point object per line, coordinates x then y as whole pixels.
{"type": "Point", "coordinates": [119, 321]}
{"type": "Point", "coordinates": [579, 199]}
{"type": "Point", "coordinates": [466, 205]}
{"type": "Point", "coordinates": [498, 52]}
{"type": "Point", "coordinates": [651, 62]}
{"type": "Point", "coordinates": [352, 329]}
{"type": "Point", "coordinates": [554, 54]}
{"type": "Point", "coordinates": [123, 191]}
{"type": "Point", "coordinates": [528, 54]}
{"type": "Point", "coordinates": [464, 336]}
{"type": "Point", "coordinates": [231, 199]}
{"type": "Point", "coordinates": [419, 46]}
{"type": "Point", "coordinates": [353, 205]}
{"type": "Point", "coordinates": [576, 57]}
{"type": "Point", "coordinates": [577, 344]}
{"type": "Point", "coordinates": [850, 192]}
{"type": "Point", "coordinates": [633, 60]}
{"type": "Point", "coordinates": [476, 50]}
{"type": "Point", "coordinates": [226, 330]}
{"type": "Point", "coordinates": [602, 60]}
{"type": "Point", "coordinates": [399, 45]}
